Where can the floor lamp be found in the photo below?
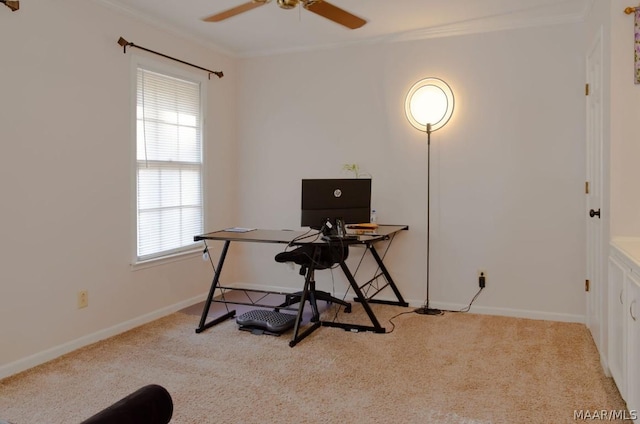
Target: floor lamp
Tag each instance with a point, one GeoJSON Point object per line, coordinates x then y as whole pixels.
{"type": "Point", "coordinates": [429, 106]}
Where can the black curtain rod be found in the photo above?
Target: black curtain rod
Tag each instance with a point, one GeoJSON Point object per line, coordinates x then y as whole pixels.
{"type": "Point", "coordinates": [124, 43]}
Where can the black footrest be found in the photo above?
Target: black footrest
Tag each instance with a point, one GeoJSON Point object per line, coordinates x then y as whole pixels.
{"type": "Point", "coordinates": [270, 321]}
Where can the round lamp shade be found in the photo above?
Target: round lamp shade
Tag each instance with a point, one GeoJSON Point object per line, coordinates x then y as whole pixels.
{"type": "Point", "coordinates": [430, 101]}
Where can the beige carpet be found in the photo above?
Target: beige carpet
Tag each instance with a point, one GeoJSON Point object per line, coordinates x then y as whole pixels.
{"type": "Point", "coordinates": [455, 368]}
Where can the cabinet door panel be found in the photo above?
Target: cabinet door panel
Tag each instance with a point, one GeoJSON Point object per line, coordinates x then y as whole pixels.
{"type": "Point", "coordinates": [616, 328]}
{"type": "Point", "coordinates": [633, 342]}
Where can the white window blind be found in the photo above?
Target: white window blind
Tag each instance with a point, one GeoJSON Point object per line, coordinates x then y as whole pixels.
{"type": "Point", "coordinates": [168, 164]}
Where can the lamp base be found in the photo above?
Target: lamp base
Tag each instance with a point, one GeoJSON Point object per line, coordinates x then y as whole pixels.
{"type": "Point", "coordinates": [424, 310]}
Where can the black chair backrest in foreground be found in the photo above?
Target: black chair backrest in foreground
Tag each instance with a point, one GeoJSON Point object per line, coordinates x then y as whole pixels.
{"type": "Point", "coordinates": [150, 404]}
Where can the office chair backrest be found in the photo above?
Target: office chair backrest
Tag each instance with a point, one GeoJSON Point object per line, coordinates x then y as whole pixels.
{"type": "Point", "coordinates": [303, 255]}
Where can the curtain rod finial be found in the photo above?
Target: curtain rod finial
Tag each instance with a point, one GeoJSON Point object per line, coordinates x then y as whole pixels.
{"type": "Point", "coordinates": [124, 43]}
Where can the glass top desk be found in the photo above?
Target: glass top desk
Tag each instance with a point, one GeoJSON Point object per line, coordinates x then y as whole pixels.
{"type": "Point", "coordinates": [297, 238]}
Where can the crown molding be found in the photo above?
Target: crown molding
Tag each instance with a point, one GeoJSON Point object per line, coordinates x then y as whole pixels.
{"type": "Point", "coordinates": [162, 25]}
{"type": "Point", "coordinates": [495, 23]}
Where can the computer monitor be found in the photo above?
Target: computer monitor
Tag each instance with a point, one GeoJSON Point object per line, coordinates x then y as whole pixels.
{"type": "Point", "coordinates": [344, 199]}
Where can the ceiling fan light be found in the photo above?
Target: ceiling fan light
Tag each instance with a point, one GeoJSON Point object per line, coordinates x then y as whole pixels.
{"type": "Point", "coordinates": [288, 4]}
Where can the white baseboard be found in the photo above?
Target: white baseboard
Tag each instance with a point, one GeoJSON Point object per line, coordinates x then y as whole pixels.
{"type": "Point", "coordinates": [262, 287]}
{"type": "Point", "coordinates": [57, 351]}
{"type": "Point", "coordinates": [515, 313]}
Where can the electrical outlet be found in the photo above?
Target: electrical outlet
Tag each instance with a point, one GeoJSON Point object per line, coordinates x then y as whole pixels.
{"type": "Point", "coordinates": [482, 278]}
{"type": "Point", "coordinates": [83, 299]}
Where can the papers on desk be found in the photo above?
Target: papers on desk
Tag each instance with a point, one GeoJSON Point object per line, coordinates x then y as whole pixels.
{"type": "Point", "coordinates": [371, 233]}
{"type": "Point", "coordinates": [363, 226]}
{"type": "Point", "coordinates": [239, 229]}
{"type": "Point", "coordinates": [363, 229]}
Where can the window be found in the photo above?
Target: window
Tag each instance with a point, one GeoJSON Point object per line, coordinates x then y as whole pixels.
{"type": "Point", "coordinates": [169, 165]}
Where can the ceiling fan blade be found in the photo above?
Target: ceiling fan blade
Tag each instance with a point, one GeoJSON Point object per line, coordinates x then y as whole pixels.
{"type": "Point", "coordinates": [13, 5]}
{"type": "Point", "coordinates": [335, 14]}
{"type": "Point", "coordinates": [234, 11]}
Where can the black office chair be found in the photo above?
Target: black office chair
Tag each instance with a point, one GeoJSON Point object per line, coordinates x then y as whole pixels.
{"type": "Point", "coordinates": [322, 257]}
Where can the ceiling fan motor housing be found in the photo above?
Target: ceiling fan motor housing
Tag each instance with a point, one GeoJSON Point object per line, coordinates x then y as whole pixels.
{"type": "Point", "coordinates": [288, 4]}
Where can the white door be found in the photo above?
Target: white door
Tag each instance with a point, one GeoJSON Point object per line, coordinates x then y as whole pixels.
{"type": "Point", "coordinates": [593, 188]}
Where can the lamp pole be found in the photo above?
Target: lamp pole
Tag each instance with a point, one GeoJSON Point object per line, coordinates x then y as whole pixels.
{"type": "Point", "coordinates": [426, 310]}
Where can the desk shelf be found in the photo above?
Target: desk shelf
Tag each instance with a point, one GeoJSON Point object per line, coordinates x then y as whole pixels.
{"type": "Point", "coordinates": [250, 301]}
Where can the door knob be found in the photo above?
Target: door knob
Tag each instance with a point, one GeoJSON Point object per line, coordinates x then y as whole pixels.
{"type": "Point", "coordinates": [593, 213]}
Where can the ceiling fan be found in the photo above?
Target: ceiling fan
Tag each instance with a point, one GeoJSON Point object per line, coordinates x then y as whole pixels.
{"type": "Point", "coordinates": [319, 7]}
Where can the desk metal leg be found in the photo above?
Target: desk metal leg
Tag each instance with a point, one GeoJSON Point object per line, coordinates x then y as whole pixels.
{"type": "Point", "coordinates": [401, 301]}
{"type": "Point", "coordinates": [212, 290]}
{"type": "Point", "coordinates": [377, 328]}
{"type": "Point", "coordinates": [297, 336]}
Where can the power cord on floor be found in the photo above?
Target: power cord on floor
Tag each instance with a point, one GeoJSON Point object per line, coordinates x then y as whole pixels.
{"type": "Point", "coordinates": [468, 307]}
{"type": "Point", "coordinates": [463, 310]}
{"type": "Point", "coordinates": [393, 326]}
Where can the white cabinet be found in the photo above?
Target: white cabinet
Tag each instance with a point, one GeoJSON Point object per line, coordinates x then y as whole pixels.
{"type": "Point", "coordinates": [623, 326]}
{"type": "Point", "coordinates": [616, 352]}
{"type": "Point", "coordinates": [633, 341]}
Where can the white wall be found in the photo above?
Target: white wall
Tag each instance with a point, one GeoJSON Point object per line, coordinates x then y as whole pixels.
{"type": "Point", "coordinates": [508, 170]}
{"type": "Point", "coordinates": [66, 180]}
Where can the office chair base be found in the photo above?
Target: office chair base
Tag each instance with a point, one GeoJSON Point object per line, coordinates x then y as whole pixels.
{"type": "Point", "coordinates": [314, 297]}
